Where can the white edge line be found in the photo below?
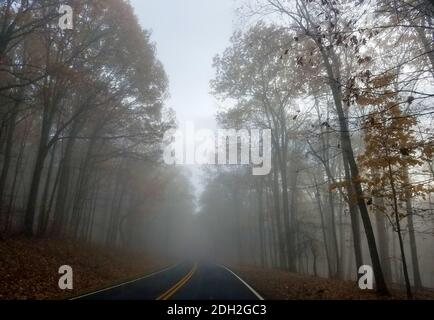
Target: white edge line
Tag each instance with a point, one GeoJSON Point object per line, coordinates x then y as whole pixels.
{"type": "Point", "coordinates": [124, 283]}
{"type": "Point", "coordinates": [245, 283]}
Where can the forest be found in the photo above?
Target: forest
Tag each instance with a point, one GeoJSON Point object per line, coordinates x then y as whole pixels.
{"type": "Point", "coordinates": [82, 119]}
{"type": "Point", "coordinates": [345, 86]}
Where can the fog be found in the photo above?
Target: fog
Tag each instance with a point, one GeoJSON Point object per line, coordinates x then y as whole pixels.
{"type": "Point", "coordinates": [347, 175]}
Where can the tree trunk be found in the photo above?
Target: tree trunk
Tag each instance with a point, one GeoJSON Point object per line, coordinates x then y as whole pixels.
{"type": "Point", "coordinates": [8, 151]}
{"type": "Point", "coordinates": [338, 274]}
{"type": "Point", "coordinates": [293, 211]}
{"type": "Point", "coordinates": [427, 45]}
{"type": "Point", "coordinates": [413, 245]}
{"type": "Point", "coordinates": [354, 217]}
{"type": "Point", "coordinates": [283, 258]}
{"type": "Point", "coordinates": [383, 241]}
{"type": "Point", "coordinates": [278, 260]}
{"type": "Point", "coordinates": [82, 186]}
{"type": "Point", "coordinates": [64, 183]}
{"type": "Point", "coordinates": [348, 154]}
{"type": "Point", "coordinates": [50, 101]}
{"type": "Point", "coordinates": [43, 215]}
{"type": "Point", "coordinates": [18, 165]}
{"type": "Point", "coordinates": [324, 230]}
{"type": "Point", "coordinates": [398, 230]}
{"type": "Point", "coordinates": [261, 223]}
{"type": "Point", "coordinates": [286, 213]}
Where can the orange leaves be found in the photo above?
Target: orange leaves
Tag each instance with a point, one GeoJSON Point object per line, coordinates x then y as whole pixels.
{"type": "Point", "coordinates": [428, 150]}
{"type": "Point", "coordinates": [382, 81]}
{"type": "Point", "coordinates": [366, 101]}
{"type": "Point", "coordinates": [28, 268]}
{"type": "Point", "coordinates": [390, 146]}
{"type": "Point", "coordinates": [283, 285]}
{"type": "Point", "coordinates": [64, 72]}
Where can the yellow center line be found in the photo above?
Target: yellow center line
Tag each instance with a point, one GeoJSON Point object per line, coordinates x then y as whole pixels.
{"type": "Point", "coordinates": [166, 295]}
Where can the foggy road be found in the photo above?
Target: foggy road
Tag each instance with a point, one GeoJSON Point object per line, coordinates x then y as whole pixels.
{"type": "Point", "coordinates": [186, 281]}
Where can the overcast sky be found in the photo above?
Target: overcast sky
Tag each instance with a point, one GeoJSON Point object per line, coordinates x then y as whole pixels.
{"type": "Point", "coordinates": [188, 34]}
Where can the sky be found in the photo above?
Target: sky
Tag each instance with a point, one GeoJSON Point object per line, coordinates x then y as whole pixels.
{"type": "Point", "coordinates": [188, 34]}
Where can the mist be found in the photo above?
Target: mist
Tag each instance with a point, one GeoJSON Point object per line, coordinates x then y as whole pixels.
{"type": "Point", "coordinates": [281, 142]}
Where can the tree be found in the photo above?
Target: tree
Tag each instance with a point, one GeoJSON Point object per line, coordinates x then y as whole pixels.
{"type": "Point", "coordinates": [253, 73]}
{"type": "Point", "coordinates": [74, 105]}
{"type": "Point", "coordinates": [390, 150]}
{"type": "Point", "coordinates": [321, 25]}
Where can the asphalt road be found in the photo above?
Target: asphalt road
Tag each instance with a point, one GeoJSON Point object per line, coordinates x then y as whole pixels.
{"type": "Point", "coordinates": [186, 281]}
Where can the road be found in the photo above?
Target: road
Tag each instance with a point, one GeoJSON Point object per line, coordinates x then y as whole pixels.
{"type": "Point", "coordinates": [185, 281]}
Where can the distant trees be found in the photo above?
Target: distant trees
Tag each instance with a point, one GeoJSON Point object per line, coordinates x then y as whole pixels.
{"type": "Point", "coordinates": [254, 76]}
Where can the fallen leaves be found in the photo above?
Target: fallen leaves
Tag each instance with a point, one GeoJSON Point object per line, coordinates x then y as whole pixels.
{"type": "Point", "coordinates": [29, 268]}
{"type": "Point", "coordinates": [281, 285]}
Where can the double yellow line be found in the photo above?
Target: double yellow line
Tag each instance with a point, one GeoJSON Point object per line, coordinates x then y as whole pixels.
{"type": "Point", "coordinates": [166, 295]}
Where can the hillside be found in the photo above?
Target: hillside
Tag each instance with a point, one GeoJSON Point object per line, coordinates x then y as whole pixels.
{"type": "Point", "coordinates": [29, 268]}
